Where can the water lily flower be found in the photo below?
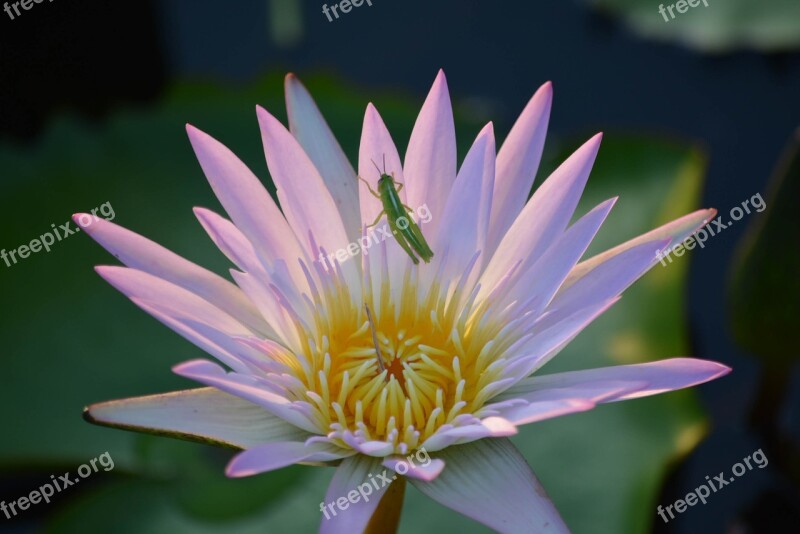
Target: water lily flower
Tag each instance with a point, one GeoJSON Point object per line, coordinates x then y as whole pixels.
{"type": "Point", "coordinates": [298, 378]}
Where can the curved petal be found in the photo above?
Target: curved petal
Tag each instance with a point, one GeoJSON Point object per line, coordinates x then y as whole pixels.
{"type": "Point", "coordinates": [541, 282]}
{"type": "Point", "coordinates": [248, 388]}
{"type": "Point", "coordinates": [610, 278]}
{"type": "Point", "coordinates": [517, 162]}
{"type": "Point", "coordinates": [544, 217]}
{"type": "Point", "coordinates": [430, 162]}
{"type": "Point", "coordinates": [621, 382]}
{"type": "Point", "coordinates": [312, 132]}
{"type": "Point", "coordinates": [306, 202]}
{"type": "Point", "coordinates": [353, 473]}
{"type": "Point", "coordinates": [409, 469]}
{"type": "Point", "coordinates": [206, 415]}
{"type": "Point", "coordinates": [141, 254]}
{"type": "Point", "coordinates": [490, 482]}
{"type": "Point", "coordinates": [248, 203]}
{"type": "Point", "coordinates": [466, 214]}
{"type": "Point", "coordinates": [275, 455]}
{"type": "Point", "coordinates": [675, 232]}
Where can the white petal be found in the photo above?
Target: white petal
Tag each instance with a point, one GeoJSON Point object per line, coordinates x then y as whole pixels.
{"type": "Point", "coordinates": [275, 455]}
{"type": "Point", "coordinates": [353, 473]}
{"type": "Point", "coordinates": [430, 162]}
{"type": "Point", "coordinates": [204, 414]}
{"type": "Point", "coordinates": [248, 203]}
{"type": "Point", "coordinates": [144, 255]}
{"type": "Point", "coordinates": [312, 132]}
{"type": "Point", "coordinates": [306, 201]}
{"type": "Point", "coordinates": [490, 482]}
{"type": "Point", "coordinates": [544, 217]}
{"type": "Point", "coordinates": [517, 163]}
{"type": "Point", "coordinates": [405, 466]}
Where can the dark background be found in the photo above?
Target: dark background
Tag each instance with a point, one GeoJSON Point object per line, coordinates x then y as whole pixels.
{"type": "Point", "coordinates": [91, 58]}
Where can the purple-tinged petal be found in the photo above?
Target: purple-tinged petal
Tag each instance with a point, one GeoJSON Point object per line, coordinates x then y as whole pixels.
{"type": "Point", "coordinates": [533, 412]}
{"type": "Point", "coordinates": [545, 216]}
{"type": "Point", "coordinates": [448, 435]}
{"type": "Point", "coordinates": [313, 133]}
{"type": "Point", "coordinates": [306, 201]}
{"type": "Point", "coordinates": [248, 203]}
{"type": "Point", "coordinates": [275, 455]}
{"type": "Point", "coordinates": [206, 415]}
{"type": "Point", "coordinates": [144, 255]}
{"type": "Point", "coordinates": [229, 239]}
{"type": "Point", "coordinates": [405, 466]}
{"type": "Point", "coordinates": [517, 163]}
{"type": "Point", "coordinates": [472, 195]}
{"type": "Point", "coordinates": [541, 282]}
{"type": "Point", "coordinates": [490, 482]}
{"type": "Point", "coordinates": [248, 388]}
{"type": "Point", "coordinates": [430, 162]}
{"type": "Point", "coordinates": [351, 474]}
{"type": "Point", "coordinates": [610, 278]}
{"type": "Point", "coordinates": [639, 380]}
{"type": "Point", "coordinates": [675, 232]}
{"type": "Point", "coordinates": [377, 144]}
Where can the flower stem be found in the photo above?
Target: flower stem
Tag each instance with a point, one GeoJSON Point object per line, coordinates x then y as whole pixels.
{"type": "Point", "coordinates": [386, 518]}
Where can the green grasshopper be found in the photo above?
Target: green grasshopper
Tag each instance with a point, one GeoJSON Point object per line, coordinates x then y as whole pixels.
{"type": "Point", "coordinates": [404, 229]}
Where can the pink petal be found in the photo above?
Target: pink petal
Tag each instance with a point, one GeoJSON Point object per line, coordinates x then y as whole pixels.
{"type": "Point", "coordinates": [471, 194]}
{"type": "Point", "coordinates": [405, 466]}
{"type": "Point", "coordinates": [144, 255]}
{"type": "Point", "coordinates": [534, 412]}
{"type": "Point", "coordinates": [490, 482]}
{"type": "Point", "coordinates": [675, 232]}
{"type": "Point", "coordinates": [545, 216]}
{"type": "Point", "coordinates": [639, 380]}
{"type": "Point", "coordinates": [540, 283]}
{"type": "Point", "coordinates": [312, 132]}
{"type": "Point", "coordinates": [204, 414]}
{"type": "Point", "coordinates": [354, 478]}
{"type": "Point", "coordinates": [306, 201]}
{"type": "Point", "coordinates": [246, 387]}
{"type": "Point", "coordinates": [491, 427]}
{"type": "Point", "coordinates": [275, 455]}
{"type": "Point", "coordinates": [248, 203]}
{"type": "Point", "coordinates": [430, 163]}
{"type": "Point", "coordinates": [609, 278]}
{"type": "Point", "coordinates": [517, 163]}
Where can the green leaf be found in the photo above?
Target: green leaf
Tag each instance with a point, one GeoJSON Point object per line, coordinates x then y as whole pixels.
{"type": "Point", "coordinates": [713, 25]}
{"type": "Point", "coordinates": [765, 287]}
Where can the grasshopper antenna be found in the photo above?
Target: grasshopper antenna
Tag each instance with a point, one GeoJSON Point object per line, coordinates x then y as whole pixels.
{"type": "Point", "coordinates": [376, 166]}
{"type": "Point", "coordinates": [375, 339]}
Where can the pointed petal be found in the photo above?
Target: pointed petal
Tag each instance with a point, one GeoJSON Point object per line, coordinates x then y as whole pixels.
{"type": "Point", "coordinates": [533, 412]}
{"type": "Point", "coordinates": [351, 474]}
{"type": "Point", "coordinates": [306, 202]}
{"type": "Point", "coordinates": [402, 466]}
{"type": "Point", "coordinates": [271, 456]}
{"type": "Point", "coordinates": [246, 387]}
{"type": "Point", "coordinates": [377, 144]}
{"type": "Point", "coordinates": [676, 232]}
{"type": "Point", "coordinates": [206, 415]}
{"type": "Point", "coordinates": [491, 427]}
{"type": "Point", "coordinates": [144, 255]}
{"type": "Point", "coordinates": [471, 194]}
{"type": "Point", "coordinates": [490, 482]}
{"type": "Point", "coordinates": [545, 216]}
{"type": "Point", "coordinates": [312, 132]}
{"type": "Point", "coordinates": [541, 282]}
{"type": "Point", "coordinates": [517, 163]}
{"type": "Point", "coordinates": [610, 278]}
{"type": "Point", "coordinates": [622, 382]}
{"type": "Point", "coordinates": [430, 162]}
{"type": "Point", "coordinates": [248, 203]}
